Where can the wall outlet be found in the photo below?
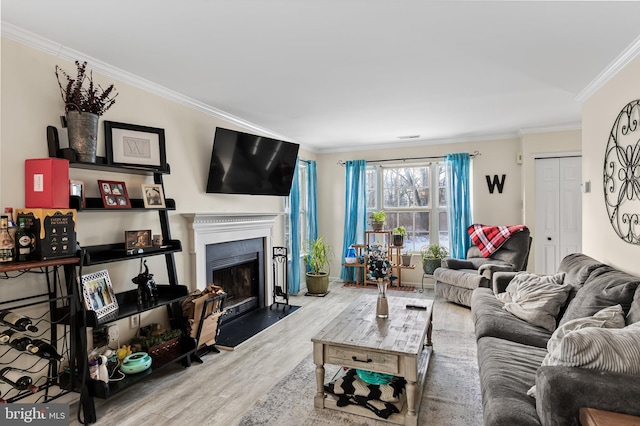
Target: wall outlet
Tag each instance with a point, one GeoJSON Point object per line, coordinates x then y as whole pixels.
{"type": "Point", "coordinates": [134, 321]}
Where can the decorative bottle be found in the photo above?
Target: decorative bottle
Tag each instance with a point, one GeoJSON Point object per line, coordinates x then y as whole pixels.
{"type": "Point", "coordinates": [382, 306]}
{"type": "Point", "coordinates": [46, 350]}
{"type": "Point", "coordinates": [17, 322]}
{"type": "Point", "coordinates": [7, 245]}
{"type": "Point", "coordinates": [24, 241]}
{"type": "Point", "coordinates": [11, 224]}
{"type": "Point", "coordinates": [16, 379]}
{"type": "Point", "coordinates": [22, 343]}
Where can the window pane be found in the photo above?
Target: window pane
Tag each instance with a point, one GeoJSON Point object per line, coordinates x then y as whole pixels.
{"type": "Point", "coordinates": [442, 185]}
{"type": "Point", "coordinates": [371, 188]}
{"type": "Point", "coordinates": [405, 187]}
{"type": "Point", "coordinates": [443, 230]}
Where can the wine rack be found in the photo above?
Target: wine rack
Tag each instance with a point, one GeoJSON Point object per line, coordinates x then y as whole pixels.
{"type": "Point", "coordinates": [51, 311]}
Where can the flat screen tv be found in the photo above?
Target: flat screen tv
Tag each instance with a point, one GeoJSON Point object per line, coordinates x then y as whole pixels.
{"type": "Point", "coordinates": [242, 163]}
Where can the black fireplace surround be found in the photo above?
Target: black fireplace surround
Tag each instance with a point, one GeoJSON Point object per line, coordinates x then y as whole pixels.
{"type": "Point", "coordinates": [238, 267]}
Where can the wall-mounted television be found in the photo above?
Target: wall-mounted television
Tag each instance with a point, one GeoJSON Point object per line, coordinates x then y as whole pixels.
{"type": "Point", "coordinates": [242, 163]}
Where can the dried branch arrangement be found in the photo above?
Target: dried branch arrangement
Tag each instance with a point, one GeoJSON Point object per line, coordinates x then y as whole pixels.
{"type": "Point", "coordinates": [81, 94]}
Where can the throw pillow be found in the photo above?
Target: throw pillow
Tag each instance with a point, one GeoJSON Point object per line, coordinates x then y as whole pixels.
{"type": "Point", "coordinates": [536, 299]}
{"type": "Point", "coordinates": [604, 345]}
{"type": "Point", "coordinates": [616, 350]}
{"type": "Point", "coordinates": [611, 317]}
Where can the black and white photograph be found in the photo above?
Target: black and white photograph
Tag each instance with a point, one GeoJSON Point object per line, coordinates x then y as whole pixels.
{"type": "Point", "coordinates": [153, 196]}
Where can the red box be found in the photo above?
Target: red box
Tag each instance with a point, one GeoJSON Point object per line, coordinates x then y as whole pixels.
{"type": "Point", "coordinates": [46, 183]}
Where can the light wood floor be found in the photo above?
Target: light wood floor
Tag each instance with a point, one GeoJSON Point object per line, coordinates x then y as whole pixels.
{"type": "Point", "coordinates": [225, 386]}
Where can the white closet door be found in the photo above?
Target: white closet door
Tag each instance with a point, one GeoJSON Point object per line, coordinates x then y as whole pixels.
{"type": "Point", "coordinates": [558, 211]}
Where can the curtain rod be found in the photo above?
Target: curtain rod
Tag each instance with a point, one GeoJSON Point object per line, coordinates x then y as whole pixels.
{"type": "Point", "coordinates": [436, 157]}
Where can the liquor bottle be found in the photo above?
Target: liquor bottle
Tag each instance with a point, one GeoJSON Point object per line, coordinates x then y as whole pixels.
{"type": "Point", "coordinates": [7, 245]}
{"type": "Point", "coordinates": [16, 379]}
{"type": "Point", "coordinates": [22, 343]}
{"type": "Point", "coordinates": [24, 241]}
{"type": "Point", "coordinates": [6, 335]}
{"type": "Point", "coordinates": [17, 321]}
{"type": "Point", "coordinates": [46, 350]}
{"type": "Point", "coordinates": [11, 224]}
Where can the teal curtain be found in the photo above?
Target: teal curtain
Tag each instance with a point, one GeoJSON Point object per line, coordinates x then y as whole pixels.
{"type": "Point", "coordinates": [312, 209]}
{"type": "Point", "coordinates": [294, 232]}
{"type": "Point", "coordinates": [459, 203]}
{"type": "Point", "coordinates": [355, 215]}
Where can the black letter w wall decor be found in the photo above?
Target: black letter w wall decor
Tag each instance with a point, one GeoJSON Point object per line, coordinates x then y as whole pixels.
{"type": "Point", "coordinates": [496, 182]}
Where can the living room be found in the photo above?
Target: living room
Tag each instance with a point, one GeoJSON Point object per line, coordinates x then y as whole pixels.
{"type": "Point", "coordinates": [31, 102]}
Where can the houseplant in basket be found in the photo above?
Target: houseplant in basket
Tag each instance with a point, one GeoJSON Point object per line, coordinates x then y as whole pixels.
{"type": "Point", "coordinates": [317, 262]}
{"type": "Point", "coordinates": [432, 256]}
{"type": "Point", "coordinates": [84, 103]}
{"type": "Point", "coordinates": [398, 236]}
{"type": "Point", "coordinates": [377, 220]}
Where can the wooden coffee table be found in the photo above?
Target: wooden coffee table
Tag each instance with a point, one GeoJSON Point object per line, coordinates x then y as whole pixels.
{"type": "Point", "coordinates": [399, 345]}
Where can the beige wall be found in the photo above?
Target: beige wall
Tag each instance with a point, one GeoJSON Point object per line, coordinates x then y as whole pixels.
{"type": "Point", "coordinates": [497, 157]}
{"type": "Point", "coordinates": [536, 145]}
{"type": "Point", "coordinates": [599, 112]}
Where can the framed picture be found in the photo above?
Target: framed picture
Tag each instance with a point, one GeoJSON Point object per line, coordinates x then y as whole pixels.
{"type": "Point", "coordinates": [152, 195]}
{"type": "Point", "coordinates": [76, 189]}
{"type": "Point", "coordinates": [114, 194]}
{"type": "Point", "coordinates": [133, 145]}
{"type": "Point", "coordinates": [98, 293]}
{"type": "Point", "coordinates": [138, 239]}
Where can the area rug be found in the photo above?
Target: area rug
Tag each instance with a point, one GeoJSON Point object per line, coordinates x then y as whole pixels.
{"type": "Point", "coordinates": [375, 287]}
{"type": "Point", "coordinates": [451, 395]}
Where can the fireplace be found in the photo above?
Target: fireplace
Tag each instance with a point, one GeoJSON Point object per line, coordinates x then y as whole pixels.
{"type": "Point", "coordinates": [238, 267]}
{"type": "Point", "coordinates": [241, 244]}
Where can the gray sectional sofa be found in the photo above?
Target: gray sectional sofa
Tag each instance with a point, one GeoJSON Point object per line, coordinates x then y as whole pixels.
{"type": "Point", "coordinates": [511, 351]}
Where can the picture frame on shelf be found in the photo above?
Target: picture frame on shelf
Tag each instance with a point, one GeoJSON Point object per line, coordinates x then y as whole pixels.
{"type": "Point", "coordinates": [114, 194]}
{"type": "Point", "coordinates": [138, 239]}
{"type": "Point", "coordinates": [153, 196]}
{"type": "Point", "coordinates": [135, 146]}
{"type": "Point", "coordinates": [98, 293]}
{"type": "Point", "coordinates": [76, 189]}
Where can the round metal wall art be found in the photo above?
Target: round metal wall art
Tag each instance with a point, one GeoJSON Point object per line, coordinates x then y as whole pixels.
{"type": "Point", "coordinates": [622, 174]}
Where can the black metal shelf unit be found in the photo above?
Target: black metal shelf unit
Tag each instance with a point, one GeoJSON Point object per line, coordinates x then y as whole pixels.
{"type": "Point", "coordinates": [169, 295]}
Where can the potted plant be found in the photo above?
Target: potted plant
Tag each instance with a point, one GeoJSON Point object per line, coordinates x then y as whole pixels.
{"type": "Point", "coordinates": [317, 263]}
{"type": "Point", "coordinates": [432, 256]}
{"type": "Point", "coordinates": [406, 258]}
{"type": "Point", "coordinates": [84, 103]}
{"type": "Point", "coordinates": [377, 220]}
{"type": "Point", "coordinates": [398, 236]}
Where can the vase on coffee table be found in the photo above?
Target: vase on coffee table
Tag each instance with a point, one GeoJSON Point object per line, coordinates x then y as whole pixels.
{"type": "Point", "coordinates": [382, 306]}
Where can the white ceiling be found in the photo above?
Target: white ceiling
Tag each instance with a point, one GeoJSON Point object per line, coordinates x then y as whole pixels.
{"type": "Point", "coordinates": [339, 74]}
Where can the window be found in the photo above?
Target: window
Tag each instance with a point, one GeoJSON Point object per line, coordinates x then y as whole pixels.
{"type": "Point", "coordinates": [413, 197]}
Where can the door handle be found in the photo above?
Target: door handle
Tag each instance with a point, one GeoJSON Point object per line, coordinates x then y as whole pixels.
{"type": "Point", "coordinates": [549, 238]}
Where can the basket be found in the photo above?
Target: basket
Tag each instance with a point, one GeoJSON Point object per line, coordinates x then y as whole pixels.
{"type": "Point", "coordinates": [165, 352]}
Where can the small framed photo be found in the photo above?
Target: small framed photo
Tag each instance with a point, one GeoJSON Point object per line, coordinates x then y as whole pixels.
{"type": "Point", "coordinates": [135, 146]}
{"type": "Point", "coordinates": [76, 189]}
{"type": "Point", "coordinates": [98, 294]}
{"type": "Point", "coordinates": [138, 239]}
{"type": "Point", "coordinates": [114, 194]}
{"type": "Point", "coordinates": [153, 196]}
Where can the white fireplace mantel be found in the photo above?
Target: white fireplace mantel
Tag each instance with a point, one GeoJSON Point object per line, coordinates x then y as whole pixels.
{"type": "Point", "coordinates": [214, 228]}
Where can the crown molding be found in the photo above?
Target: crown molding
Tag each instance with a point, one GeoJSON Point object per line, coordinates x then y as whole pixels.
{"type": "Point", "coordinates": [423, 142]}
{"type": "Point", "coordinates": [58, 50]}
{"type": "Point", "coordinates": [607, 74]}
{"type": "Point", "coordinates": [559, 128]}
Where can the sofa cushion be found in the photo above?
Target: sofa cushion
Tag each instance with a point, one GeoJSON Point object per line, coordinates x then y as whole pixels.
{"type": "Point", "coordinates": [493, 321]}
{"type": "Point", "coordinates": [465, 278]}
{"type": "Point", "coordinates": [536, 299]}
{"type": "Point", "coordinates": [634, 311]}
{"type": "Point", "coordinates": [611, 349]}
{"type": "Point", "coordinates": [507, 370]}
{"type": "Point", "coordinates": [604, 287]}
{"type": "Point", "coordinates": [453, 293]}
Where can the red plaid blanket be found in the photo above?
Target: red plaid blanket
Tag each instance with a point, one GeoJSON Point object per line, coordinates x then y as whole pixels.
{"type": "Point", "coordinates": [490, 238]}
